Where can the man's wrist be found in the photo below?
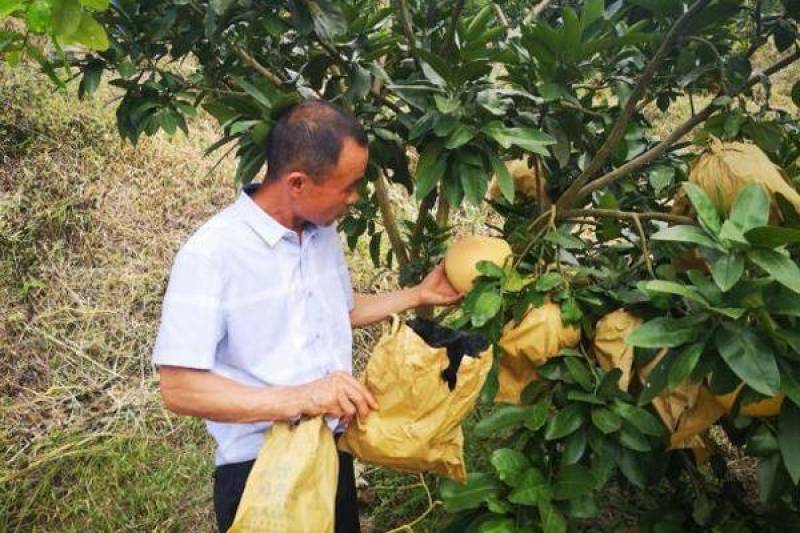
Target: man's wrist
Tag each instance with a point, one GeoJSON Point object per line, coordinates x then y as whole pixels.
{"type": "Point", "coordinates": [415, 296]}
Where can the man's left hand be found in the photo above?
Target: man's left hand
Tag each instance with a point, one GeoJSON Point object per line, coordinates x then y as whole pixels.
{"type": "Point", "coordinates": [435, 289]}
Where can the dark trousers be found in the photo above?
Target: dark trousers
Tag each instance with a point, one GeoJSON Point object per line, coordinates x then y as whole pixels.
{"type": "Point", "coordinates": [229, 483]}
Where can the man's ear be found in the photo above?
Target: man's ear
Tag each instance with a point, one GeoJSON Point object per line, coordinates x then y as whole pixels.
{"type": "Point", "coordinates": [296, 181]}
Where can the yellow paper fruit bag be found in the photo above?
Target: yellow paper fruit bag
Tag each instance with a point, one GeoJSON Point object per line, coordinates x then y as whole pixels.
{"type": "Point", "coordinates": [539, 336]}
{"type": "Point", "coordinates": [417, 427]}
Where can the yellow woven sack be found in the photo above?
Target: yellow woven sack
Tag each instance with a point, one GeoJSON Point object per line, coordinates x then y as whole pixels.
{"type": "Point", "coordinates": [609, 345]}
{"type": "Point", "coordinates": [539, 336]}
{"type": "Point", "coordinates": [292, 486]}
{"type": "Point", "coordinates": [417, 426]}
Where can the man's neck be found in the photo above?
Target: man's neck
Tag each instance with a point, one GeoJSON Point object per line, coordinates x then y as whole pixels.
{"type": "Point", "coordinates": [272, 198]}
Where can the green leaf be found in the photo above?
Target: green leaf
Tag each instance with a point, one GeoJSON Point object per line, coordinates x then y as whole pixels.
{"type": "Point", "coordinates": [97, 5]}
{"type": "Point", "coordinates": [475, 491]}
{"type": "Point", "coordinates": [460, 136]}
{"type": "Point", "coordinates": [670, 287]}
{"type": "Point", "coordinates": [731, 234]}
{"type": "Point", "coordinates": [578, 369]}
{"type": "Point", "coordinates": [529, 139]}
{"type": "Point", "coordinates": [789, 439]}
{"type": "Point", "coordinates": [504, 180]}
{"type": "Point", "coordinates": [565, 422]}
{"type": "Point", "coordinates": [633, 439]}
{"type": "Point", "coordinates": [727, 271]}
{"type": "Point", "coordinates": [631, 468]}
{"type": "Point", "coordinates": [782, 302]}
{"type": "Point", "coordinates": [498, 524]}
{"type": "Point", "coordinates": [430, 169]}
{"type": "Point", "coordinates": [605, 420]}
{"type": "Point", "coordinates": [548, 281]}
{"type": "Point", "coordinates": [501, 418]}
{"type": "Point", "coordinates": [772, 237]}
{"type": "Point", "coordinates": [664, 332]}
{"type": "Point", "coordinates": [487, 305]}
{"type": "Point", "coordinates": [706, 287]}
{"type": "Point", "coordinates": [706, 212]}
{"type": "Point", "coordinates": [564, 240]}
{"type": "Point", "coordinates": [9, 6]}
{"type": "Point", "coordinates": [751, 208]}
{"type": "Point", "coordinates": [689, 234]}
{"type": "Point", "coordinates": [573, 481]}
{"type": "Point", "coordinates": [769, 478]}
{"type": "Point", "coordinates": [656, 380]}
{"type": "Point", "coordinates": [551, 519]}
{"type": "Point", "coordinates": [532, 488]}
{"type": "Point", "coordinates": [639, 418]}
{"type": "Point", "coordinates": [67, 16]}
{"type": "Point", "coordinates": [37, 16]}
{"type": "Point", "coordinates": [683, 364]}
{"type": "Point", "coordinates": [510, 465]}
{"type": "Point", "coordinates": [781, 268]}
{"type": "Point", "coordinates": [762, 443]}
{"type": "Point", "coordinates": [574, 448]}
{"type": "Point", "coordinates": [661, 177]}
{"type": "Point", "coordinates": [750, 357]}
{"type": "Point", "coordinates": [536, 416]}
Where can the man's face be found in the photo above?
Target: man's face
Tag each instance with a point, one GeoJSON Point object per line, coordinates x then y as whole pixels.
{"type": "Point", "coordinates": [322, 203]}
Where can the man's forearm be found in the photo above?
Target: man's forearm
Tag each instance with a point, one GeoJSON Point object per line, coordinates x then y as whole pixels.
{"type": "Point", "coordinates": [214, 397]}
{"type": "Point", "coordinates": [370, 308]}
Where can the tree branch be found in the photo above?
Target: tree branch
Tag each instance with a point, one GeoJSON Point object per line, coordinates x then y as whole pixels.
{"type": "Point", "coordinates": [618, 130]}
{"type": "Point", "coordinates": [534, 13]}
{"type": "Point", "coordinates": [501, 17]}
{"type": "Point", "coordinates": [408, 30]}
{"type": "Point", "coordinates": [258, 67]}
{"type": "Point", "coordinates": [450, 34]}
{"type": "Point", "coordinates": [389, 221]}
{"type": "Point", "coordinates": [679, 132]}
{"type": "Point", "coordinates": [631, 215]}
{"type": "Point", "coordinates": [416, 235]}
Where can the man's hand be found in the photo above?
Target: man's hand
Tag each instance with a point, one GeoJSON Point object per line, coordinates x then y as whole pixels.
{"type": "Point", "coordinates": [338, 394]}
{"type": "Point", "coordinates": [435, 289]}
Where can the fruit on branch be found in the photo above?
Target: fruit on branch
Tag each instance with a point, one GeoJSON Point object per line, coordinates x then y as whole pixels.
{"type": "Point", "coordinates": [463, 255]}
{"type": "Point", "coordinates": [609, 346]}
{"type": "Point", "coordinates": [760, 409]}
{"type": "Point", "coordinates": [527, 345]}
{"type": "Point", "coordinates": [529, 182]}
{"type": "Point", "coordinates": [725, 168]}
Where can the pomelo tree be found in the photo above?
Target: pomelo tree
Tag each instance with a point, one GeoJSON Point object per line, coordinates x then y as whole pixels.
{"type": "Point", "coordinates": [610, 104]}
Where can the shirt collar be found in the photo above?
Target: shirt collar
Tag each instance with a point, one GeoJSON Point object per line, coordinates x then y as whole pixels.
{"type": "Point", "coordinates": [262, 223]}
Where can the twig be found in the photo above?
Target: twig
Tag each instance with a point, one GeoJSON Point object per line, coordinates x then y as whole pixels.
{"type": "Point", "coordinates": [431, 506]}
{"type": "Point", "coordinates": [419, 225]}
{"type": "Point", "coordinates": [534, 13]}
{"type": "Point", "coordinates": [632, 215]}
{"type": "Point", "coordinates": [501, 17]}
{"type": "Point", "coordinates": [450, 34]}
{"type": "Point", "coordinates": [618, 130]}
{"type": "Point", "coordinates": [643, 244]}
{"type": "Point", "coordinates": [389, 221]}
{"type": "Point", "coordinates": [261, 69]}
{"type": "Point", "coordinates": [679, 132]}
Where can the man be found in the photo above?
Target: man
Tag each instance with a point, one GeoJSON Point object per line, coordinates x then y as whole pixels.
{"type": "Point", "coordinates": [257, 317]}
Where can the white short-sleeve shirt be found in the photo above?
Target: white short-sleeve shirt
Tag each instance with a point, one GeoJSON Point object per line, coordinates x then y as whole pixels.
{"type": "Point", "coordinates": [246, 299]}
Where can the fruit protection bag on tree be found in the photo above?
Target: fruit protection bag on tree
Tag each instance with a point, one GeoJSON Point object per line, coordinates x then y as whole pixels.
{"type": "Point", "coordinates": [426, 379]}
{"type": "Point", "coordinates": [292, 486]}
{"type": "Point", "coordinates": [526, 346]}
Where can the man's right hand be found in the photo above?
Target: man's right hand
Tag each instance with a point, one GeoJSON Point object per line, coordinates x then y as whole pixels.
{"type": "Point", "coordinates": [338, 394]}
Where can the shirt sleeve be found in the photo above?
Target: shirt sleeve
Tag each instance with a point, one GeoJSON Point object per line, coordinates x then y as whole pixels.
{"type": "Point", "coordinates": [192, 318]}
